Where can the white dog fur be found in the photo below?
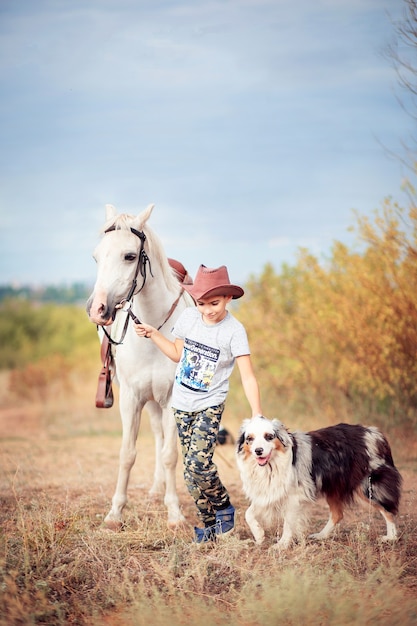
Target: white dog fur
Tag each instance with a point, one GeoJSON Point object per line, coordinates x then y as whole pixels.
{"type": "Point", "coordinates": [281, 472]}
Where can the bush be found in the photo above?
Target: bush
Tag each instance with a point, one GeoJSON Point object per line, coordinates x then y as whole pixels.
{"type": "Point", "coordinates": [343, 334]}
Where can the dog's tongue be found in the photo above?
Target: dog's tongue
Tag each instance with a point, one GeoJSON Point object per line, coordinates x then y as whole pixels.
{"type": "Point", "coordinates": [262, 460]}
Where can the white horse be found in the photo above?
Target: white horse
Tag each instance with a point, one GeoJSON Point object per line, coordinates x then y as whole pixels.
{"type": "Point", "coordinates": [135, 280]}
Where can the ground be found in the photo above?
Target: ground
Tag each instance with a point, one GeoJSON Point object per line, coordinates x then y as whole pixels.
{"type": "Point", "coordinates": [72, 456]}
{"type": "Point", "coordinates": [60, 566]}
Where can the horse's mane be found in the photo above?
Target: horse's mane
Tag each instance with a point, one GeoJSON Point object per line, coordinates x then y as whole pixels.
{"type": "Point", "coordinates": [155, 250]}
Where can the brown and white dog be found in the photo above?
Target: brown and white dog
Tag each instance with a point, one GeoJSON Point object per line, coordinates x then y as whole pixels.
{"type": "Point", "coordinates": [282, 471]}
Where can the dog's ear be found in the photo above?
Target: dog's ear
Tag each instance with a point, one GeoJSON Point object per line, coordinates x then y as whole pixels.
{"type": "Point", "coordinates": [240, 442]}
{"type": "Point", "coordinates": [281, 433]}
{"type": "Point", "coordinates": [241, 435]}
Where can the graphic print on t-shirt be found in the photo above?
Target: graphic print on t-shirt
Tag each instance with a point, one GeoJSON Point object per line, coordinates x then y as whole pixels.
{"type": "Point", "coordinates": [197, 366]}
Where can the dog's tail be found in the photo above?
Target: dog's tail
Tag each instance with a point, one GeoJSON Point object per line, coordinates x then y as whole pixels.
{"type": "Point", "coordinates": [383, 485]}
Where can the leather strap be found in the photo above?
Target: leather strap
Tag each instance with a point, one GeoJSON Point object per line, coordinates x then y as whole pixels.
{"type": "Point", "coordinates": [104, 395]}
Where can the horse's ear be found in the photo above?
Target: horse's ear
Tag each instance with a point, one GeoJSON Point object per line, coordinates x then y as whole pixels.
{"type": "Point", "coordinates": [143, 217]}
{"type": "Point", "coordinates": [110, 212]}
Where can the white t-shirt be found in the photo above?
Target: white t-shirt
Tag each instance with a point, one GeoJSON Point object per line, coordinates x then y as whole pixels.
{"type": "Point", "coordinates": [207, 360]}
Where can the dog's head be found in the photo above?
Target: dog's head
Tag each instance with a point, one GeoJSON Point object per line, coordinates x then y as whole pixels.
{"type": "Point", "coordinates": [260, 437]}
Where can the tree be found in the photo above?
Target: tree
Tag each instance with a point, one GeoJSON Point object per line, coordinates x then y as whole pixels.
{"type": "Point", "coordinates": [402, 53]}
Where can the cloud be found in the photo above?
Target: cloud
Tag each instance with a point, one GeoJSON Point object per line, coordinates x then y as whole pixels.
{"type": "Point", "coordinates": [246, 122]}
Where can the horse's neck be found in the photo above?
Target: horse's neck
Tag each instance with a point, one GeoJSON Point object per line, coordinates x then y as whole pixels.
{"type": "Point", "coordinates": [153, 303]}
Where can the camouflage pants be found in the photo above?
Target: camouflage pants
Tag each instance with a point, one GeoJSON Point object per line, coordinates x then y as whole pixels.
{"type": "Point", "coordinates": [198, 436]}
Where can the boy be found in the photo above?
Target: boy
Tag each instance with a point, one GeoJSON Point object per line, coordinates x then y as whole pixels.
{"type": "Point", "coordinates": [208, 341]}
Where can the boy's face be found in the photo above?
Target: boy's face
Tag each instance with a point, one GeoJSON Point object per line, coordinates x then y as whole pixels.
{"type": "Point", "coordinates": [213, 309]}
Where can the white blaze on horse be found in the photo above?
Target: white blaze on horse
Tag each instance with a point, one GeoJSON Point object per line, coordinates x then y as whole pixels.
{"type": "Point", "coordinates": [135, 281]}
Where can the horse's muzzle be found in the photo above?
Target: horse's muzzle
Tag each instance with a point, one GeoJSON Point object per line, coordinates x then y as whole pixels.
{"type": "Point", "coordinates": [99, 312]}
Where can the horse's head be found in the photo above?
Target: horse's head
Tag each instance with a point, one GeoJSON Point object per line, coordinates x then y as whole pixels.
{"type": "Point", "coordinates": [119, 263]}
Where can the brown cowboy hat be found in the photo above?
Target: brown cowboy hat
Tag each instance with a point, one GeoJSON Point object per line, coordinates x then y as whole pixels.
{"type": "Point", "coordinates": [213, 282]}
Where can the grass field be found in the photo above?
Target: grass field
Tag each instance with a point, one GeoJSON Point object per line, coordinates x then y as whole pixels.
{"type": "Point", "coordinates": [58, 566]}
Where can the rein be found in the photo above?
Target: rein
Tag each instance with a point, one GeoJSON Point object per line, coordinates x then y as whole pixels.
{"type": "Point", "coordinates": [126, 303]}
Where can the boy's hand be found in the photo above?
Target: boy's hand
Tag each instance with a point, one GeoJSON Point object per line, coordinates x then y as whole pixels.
{"type": "Point", "coordinates": [144, 330]}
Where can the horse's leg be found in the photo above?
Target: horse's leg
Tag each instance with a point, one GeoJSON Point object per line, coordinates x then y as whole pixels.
{"type": "Point", "coordinates": [169, 460]}
{"type": "Point", "coordinates": [155, 417]}
{"type": "Point", "coordinates": [130, 412]}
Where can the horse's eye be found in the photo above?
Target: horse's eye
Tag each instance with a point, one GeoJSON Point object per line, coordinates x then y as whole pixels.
{"type": "Point", "coordinates": [269, 437]}
{"type": "Point", "coordinates": [130, 257]}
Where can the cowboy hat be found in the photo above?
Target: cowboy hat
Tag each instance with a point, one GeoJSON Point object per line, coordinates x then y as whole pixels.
{"type": "Point", "coordinates": [213, 282]}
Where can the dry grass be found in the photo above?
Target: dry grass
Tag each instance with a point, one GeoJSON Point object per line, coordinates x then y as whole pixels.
{"type": "Point", "coordinates": [58, 566]}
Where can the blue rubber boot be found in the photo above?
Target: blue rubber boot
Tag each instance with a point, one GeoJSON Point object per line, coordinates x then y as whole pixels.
{"type": "Point", "coordinates": [225, 521]}
{"type": "Point", "coordinates": [204, 535]}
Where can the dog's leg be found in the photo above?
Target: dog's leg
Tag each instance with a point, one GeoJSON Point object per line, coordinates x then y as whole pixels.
{"type": "Point", "coordinates": [388, 517]}
{"type": "Point", "coordinates": [336, 515]}
{"type": "Point", "coordinates": [293, 522]}
{"type": "Point", "coordinates": [286, 537]}
{"type": "Point", "coordinates": [257, 530]}
{"type": "Point", "coordinates": [391, 527]}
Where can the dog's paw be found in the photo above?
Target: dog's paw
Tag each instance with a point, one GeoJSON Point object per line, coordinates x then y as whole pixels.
{"type": "Point", "coordinates": [259, 539]}
{"type": "Point", "coordinates": [280, 547]}
{"type": "Point", "coordinates": [388, 538]}
{"type": "Point", "coordinates": [258, 534]}
{"type": "Point", "coordinates": [282, 544]}
{"type": "Point", "coordinates": [318, 536]}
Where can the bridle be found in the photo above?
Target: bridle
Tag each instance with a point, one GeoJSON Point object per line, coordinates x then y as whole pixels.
{"type": "Point", "coordinates": [126, 303]}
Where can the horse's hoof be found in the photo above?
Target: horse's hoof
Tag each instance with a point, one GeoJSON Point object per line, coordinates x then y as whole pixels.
{"type": "Point", "coordinates": [175, 524]}
{"type": "Point", "coordinates": [113, 525]}
{"type": "Point", "coordinates": [155, 496]}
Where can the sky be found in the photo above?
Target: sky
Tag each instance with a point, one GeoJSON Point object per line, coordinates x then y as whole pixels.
{"type": "Point", "coordinates": [256, 127]}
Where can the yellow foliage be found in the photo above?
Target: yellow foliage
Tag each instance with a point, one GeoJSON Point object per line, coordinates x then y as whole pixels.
{"type": "Point", "coordinates": [349, 325]}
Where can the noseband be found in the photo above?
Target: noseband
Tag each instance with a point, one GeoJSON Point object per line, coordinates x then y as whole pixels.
{"type": "Point", "coordinates": [126, 303]}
